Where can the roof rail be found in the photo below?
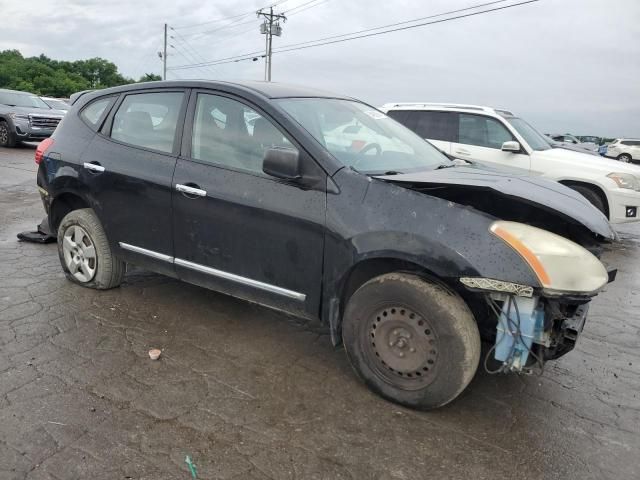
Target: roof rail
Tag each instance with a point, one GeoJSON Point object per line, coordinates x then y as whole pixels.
{"type": "Point", "coordinates": [479, 108]}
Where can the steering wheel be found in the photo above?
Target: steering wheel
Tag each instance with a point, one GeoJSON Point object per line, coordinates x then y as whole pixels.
{"type": "Point", "coordinates": [371, 146]}
{"type": "Point", "coordinates": [365, 149]}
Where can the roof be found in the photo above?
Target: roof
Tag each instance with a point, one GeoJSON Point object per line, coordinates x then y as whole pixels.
{"type": "Point", "coordinates": [444, 106]}
{"type": "Point", "coordinates": [266, 89]}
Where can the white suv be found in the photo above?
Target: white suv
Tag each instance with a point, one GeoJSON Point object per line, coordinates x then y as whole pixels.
{"type": "Point", "coordinates": [624, 149]}
{"type": "Point", "coordinates": [500, 139]}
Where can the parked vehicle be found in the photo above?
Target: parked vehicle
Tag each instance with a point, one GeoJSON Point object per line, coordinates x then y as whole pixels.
{"type": "Point", "coordinates": [408, 258]}
{"type": "Point", "coordinates": [501, 139]}
{"type": "Point", "coordinates": [25, 117]}
{"type": "Point", "coordinates": [571, 140]}
{"type": "Point", "coordinates": [56, 103]}
{"type": "Point", "coordinates": [624, 149]}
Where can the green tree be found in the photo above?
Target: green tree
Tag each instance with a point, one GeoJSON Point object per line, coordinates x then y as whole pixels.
{"type": "Point", "coordinates": [45, 76]}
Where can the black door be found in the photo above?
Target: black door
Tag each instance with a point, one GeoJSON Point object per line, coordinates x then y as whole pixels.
{"type": "Point", "coordinates": [128, 168]}
{"type": "Point", "coordinates": [236, 229]}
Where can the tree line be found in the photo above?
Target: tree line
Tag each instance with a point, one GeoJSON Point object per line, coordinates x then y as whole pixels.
{"type": "Point", "coordinates": [58, 78]}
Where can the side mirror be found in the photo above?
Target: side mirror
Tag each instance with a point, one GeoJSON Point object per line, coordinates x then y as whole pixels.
{"type": "Point", "coordinates": [513, 147]}
{"type": "Point", "coordinates": [281, 162]}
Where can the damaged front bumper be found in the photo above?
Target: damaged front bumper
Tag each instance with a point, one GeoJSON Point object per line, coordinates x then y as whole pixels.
{"type": "Point", "coordinates": [530, 326]}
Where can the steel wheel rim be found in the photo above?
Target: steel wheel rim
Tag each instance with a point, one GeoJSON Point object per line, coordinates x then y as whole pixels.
{"type": "Point", "coordinates": [402, 346]}
{"type": "Point", "coordinates": [79, 253]}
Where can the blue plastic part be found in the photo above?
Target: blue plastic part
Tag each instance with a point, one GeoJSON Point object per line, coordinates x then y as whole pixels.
{"type": "Point", "coordinates": [511, 348]}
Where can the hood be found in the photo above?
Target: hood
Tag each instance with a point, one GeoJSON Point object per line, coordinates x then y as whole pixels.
{"type": "Point", "coordinates": [510, 197]}
{"type": "Point", "coordinates": [45, 112]}
{"type": "Point", "coordinates": [594, 163]}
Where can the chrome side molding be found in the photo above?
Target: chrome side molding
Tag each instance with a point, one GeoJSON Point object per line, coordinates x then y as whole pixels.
{"type": "Point", "coordinates": [243, 280]}
{"type": "Point", "coordinates": [267, 287]}
{"type": "Point", "coordinates": [144, 251]}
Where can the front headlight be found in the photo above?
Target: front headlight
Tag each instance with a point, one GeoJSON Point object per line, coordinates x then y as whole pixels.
{"type": "Point", "coordinates": [19, 116]}
{"type": "Point", "coordinates": [561, 265]}
{"type": "Point", "coordinates": [625, 180]}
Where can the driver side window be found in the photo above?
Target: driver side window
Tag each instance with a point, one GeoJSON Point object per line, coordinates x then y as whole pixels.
{"type": "Point", "coordinates": [230, 134]}
{"type": "Point", "coordinates": [482, 131]}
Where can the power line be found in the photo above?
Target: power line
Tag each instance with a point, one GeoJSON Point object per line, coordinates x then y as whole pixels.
{"type": "Point", "coordinates": [474, 7]}
{"type": "Point", "coordinates": [189, 48]}
{"type": "Point", "coordinates": [302, 5]}
{"type": "Point", "coordinates": [337, 39]}
{"type": "Point", "coordinates": [252, 12]}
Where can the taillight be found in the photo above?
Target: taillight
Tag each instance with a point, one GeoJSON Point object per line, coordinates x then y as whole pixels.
{"type": "Point", "coordinates": [42, 147]}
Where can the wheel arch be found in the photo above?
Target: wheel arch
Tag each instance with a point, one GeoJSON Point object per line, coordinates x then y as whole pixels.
{"type": "Point", "coordinates": [597, 189]}
{"type": "Point", "coordinates": [62, 204]}
{"type": "Point", "coordinates": [367, 268]}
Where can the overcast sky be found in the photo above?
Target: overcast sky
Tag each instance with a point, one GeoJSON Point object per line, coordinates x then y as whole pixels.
{"type": "Point", "coordinates": [564, 65]}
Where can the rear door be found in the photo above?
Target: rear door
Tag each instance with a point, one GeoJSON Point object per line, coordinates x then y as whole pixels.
{"type": "Point", "coordinates": [236, 229]}
{"type": "Point", "coordinates": [128, 169]}
{"type": "Point", "coordinates": [480, 138]}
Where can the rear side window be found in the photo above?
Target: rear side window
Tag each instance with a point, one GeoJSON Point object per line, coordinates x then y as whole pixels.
{"type": "Point", "coordinates": [482, 131]}
{"type": "Point", "coordinates": [435, 125]}
{"type": "Point", "coordinates": [148, 120]}
{"type": "Point", "coordinates": [93, 112]}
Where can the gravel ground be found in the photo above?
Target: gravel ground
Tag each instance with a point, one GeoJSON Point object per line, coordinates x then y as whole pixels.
{"type": "Point", "coordinates": [249, 393]}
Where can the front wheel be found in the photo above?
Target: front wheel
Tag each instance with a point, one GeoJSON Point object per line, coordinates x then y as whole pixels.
{"type": "Point", "coordinates": [7, 137]}
{"type": "Point", "coordinates": [85, 254]}
{"type": "Point", "coordinates": [590, 194]}
{"type": "Point", "coordinates": [413, 342]}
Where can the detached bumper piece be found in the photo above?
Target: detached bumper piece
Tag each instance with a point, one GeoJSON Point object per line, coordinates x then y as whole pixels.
{"type": "Point", "coordinates": [533, 330]}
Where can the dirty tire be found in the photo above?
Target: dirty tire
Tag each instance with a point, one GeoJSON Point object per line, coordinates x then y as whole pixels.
{"type": "Point", "coordinates": [418, 311]}
{"type": "Point", "coordinates": [625, 157]}
{"type": "Point", "coordinates": [7, 137]}
{"type": "Point", "coordinates": [107, 270]}
{"type": "Point", "coordinates": [590, 194]}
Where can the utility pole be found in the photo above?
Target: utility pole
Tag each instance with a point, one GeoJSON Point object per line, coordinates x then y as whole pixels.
{"type": "Point", "coordinates": [269, 28]}
{"type": "Point", "coordinates": [164, 55]}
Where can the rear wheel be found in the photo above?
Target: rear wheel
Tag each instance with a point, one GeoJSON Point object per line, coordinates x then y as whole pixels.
{"type": "Point", "coordinates": [412, 342]}
{"type": "Point", "coordinates": [590, 194]}
{"type": "Point", "coordinates": [85, 253]}
{"type": "Point", "coordinates": [7, 137]}
{"type": "Point", "coordinates": [625, 157]}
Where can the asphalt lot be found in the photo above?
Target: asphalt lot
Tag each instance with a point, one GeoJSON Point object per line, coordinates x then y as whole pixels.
{"type": "Point", "coordinates": [249, 393]}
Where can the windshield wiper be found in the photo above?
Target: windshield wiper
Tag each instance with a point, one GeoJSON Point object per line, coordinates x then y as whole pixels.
{"type": "Point", "coordinates": [445, 165]}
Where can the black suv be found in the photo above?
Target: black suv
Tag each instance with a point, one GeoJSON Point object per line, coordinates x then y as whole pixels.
{"type": "Point", "coordinates": [25, 117]}
{"type": "Point", "coordinates": [262, 191]}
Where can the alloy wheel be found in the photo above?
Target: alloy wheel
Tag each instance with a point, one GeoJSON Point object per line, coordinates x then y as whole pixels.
{"type": "Point", "coordinates": [79, 253]}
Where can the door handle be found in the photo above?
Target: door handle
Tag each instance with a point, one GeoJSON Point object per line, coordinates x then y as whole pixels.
{"type": "Point", "coordinates": [462, 152]}
{"type": "Point", "coordinates": [191, 190]}
{"type": "Point", "coordinates": [94, 167]}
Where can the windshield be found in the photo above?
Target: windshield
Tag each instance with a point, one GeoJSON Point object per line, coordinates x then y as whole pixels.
{"type": "Point", "coordinates": [363, 138]}
{"type": "Point", "coordinates": [534, 138]}
{"type": "Point", "coordinates": [16, 99]}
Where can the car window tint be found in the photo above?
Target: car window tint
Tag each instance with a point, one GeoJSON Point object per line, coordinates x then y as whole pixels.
{"type": "Point", "coordinates": [148, 120]}
{"type": "Point", "coordinates": [482, 131]}
{"type": "Point", "coordinates": [435, 125]}
{"type": "Point", "coordinates": [401, 116]}
{"type": "Point", "coordinates": [92, 112]}
{"type": "Point", "coordinates": [229, 133]}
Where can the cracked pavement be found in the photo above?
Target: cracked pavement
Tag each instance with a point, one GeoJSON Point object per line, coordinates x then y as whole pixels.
{"type": "Point", "coordinates": [250, 393]}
